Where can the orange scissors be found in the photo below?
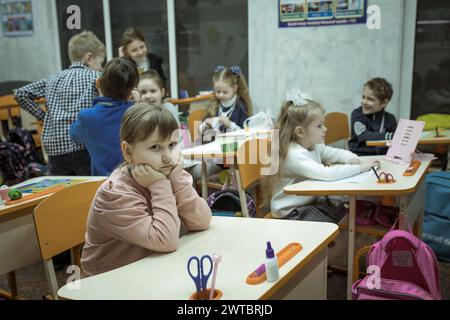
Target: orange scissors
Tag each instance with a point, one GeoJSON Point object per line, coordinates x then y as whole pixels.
{"type": "Point", "coordinates": [386, 178]}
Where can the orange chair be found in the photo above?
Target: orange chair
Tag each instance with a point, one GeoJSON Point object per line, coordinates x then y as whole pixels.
{"type": "Point", "coordinates": [9, 108]}
{"type": "Point", "coordinates": [194, 120]}
{"type": "Point", "coordinates": [337, 127]}
{"type": "Point", "coordinates": [252, 157]}
{"type": "Point", "coordinates": [60, 222]}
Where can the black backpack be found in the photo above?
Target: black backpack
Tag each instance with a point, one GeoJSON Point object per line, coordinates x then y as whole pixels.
{"type": "Point", "coordinates": [13, 164]}
{"type": "Point", "coordinates": [24, 138]}
{"type": "Point", "coordinates": [16, 156]}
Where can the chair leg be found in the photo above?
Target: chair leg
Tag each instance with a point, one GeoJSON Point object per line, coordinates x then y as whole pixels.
{"type": "Point", "coordinates": [362, 251]}
{"type": "Point", "coordinates": [51, 278]}
{"type": "Point", "coordinates": [12, 295]}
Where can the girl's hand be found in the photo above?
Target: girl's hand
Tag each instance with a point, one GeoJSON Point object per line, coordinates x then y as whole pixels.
{"type": "Point", "coordinates": [366, 165]}
{"type": "Point", "coordinates": [208, 122]}
{"type": "Point", "coordinates": [178, 167]}
{"type": "Point", "coordinates": [145, 175]}
{"type": "Point", "coordinates": [225, 121]}
{"type": "Point", "coordinates": [354, 161]}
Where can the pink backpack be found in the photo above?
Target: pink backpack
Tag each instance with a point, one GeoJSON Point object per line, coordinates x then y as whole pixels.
{"type": "Point", "coordinates": [400, 267]}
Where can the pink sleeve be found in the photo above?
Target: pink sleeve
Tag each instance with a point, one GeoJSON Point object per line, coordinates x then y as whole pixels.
{"type": "Point", "coordinates": [192, 209]}
{"type": "Point", "coordinates": [124, 213]}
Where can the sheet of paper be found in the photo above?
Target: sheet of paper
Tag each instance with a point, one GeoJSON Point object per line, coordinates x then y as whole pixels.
{"type": "Point", "coordinates": [405, 141]}
{"type": "Point", "coordinates": [361, 177]}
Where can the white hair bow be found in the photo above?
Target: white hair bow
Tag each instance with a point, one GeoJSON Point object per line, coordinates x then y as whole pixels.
{"type": "Point", "coordinates": [297, 97]}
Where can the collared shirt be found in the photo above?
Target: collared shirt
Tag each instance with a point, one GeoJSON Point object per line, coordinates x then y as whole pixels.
{"type": "Point", "coordinates": [66, 94]}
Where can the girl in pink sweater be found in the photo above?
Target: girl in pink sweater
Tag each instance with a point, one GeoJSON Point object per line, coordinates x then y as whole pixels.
{"type": "Point", "coordinates": [141, 207]}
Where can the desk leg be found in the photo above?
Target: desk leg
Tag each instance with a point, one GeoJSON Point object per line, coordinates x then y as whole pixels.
{"type": "Point", "coordinates": [351, 245]}
{"type": "Point", "coordinates": [242, 196]}
{"type": "Point", "coordinates": [407, 223]}
{"type": "Point", "coordinates": [204, 181]}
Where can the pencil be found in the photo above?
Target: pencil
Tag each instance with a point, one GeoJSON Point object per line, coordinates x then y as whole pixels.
{"type": "Point", "coordinates": [375, 171]}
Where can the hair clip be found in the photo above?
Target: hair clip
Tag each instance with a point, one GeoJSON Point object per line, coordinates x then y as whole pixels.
{"type": "Point", "coordinates": [219, 68]}
{"type": "Point", "coordinates": [297, 97]}
{"type": "Point", "coordinates": [236, 70]}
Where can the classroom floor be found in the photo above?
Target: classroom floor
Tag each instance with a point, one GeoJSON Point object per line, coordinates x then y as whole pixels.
{"type": "Point", "coordinates": [32, 283]}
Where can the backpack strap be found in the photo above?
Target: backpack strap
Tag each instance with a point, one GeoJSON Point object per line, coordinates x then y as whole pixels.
{"type": "Point", "coordinates": [395, 234]}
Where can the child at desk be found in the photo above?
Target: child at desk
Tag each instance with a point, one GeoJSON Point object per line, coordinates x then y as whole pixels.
{"type": "Point", "coordinates": [141, 207]}
{"type": "Point", "coordinates": [231, 105]}
{"type": "Point", "coordinates": [98, 127]}
{"type": "Point", "coordinates": [370, 121]}
{"type": "Point", "coordinates": [301, 153]}
{"type": "Point", "coordinates": [151, 89]}
{"type": "Point", "coordinates": [66, 94]}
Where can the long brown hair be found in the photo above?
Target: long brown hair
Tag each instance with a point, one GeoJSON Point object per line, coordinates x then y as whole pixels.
{"type": "Point", "coordinates": [291, 116]}
{"type": "Point", "coordinates": [231, 78]}
{"type": "Point", "coordinates": [130, 35]}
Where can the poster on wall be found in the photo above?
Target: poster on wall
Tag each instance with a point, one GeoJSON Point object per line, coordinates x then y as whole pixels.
{"type": "Point", "coordinates": [313, 13]}
{"type": "Point", "coordinates": [16, 17]}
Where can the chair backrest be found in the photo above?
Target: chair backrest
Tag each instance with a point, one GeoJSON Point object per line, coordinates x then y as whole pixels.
{"type": "Point", "coordinates": [8, 102]}
{"type": "Point", "coordinates": [337, 127]}
{"type": "Point", "coordinates": [60, 220]}
{"type": "Point", "coordinates": [194, 120]}
{"type": "Point", "coordinates": [252, 157]}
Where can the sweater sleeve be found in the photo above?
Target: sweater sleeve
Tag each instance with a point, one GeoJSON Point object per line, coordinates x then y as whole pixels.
{"type": "Point", "coordinates": [192, 209]}
{"type": "Point", "coordinates": [76, 131]}
{"type": "Point", "coordinates": [27, 95]}
{"type": "Point", "coordinates": [335, 155]}
{"type": "Point", "coordinates": [123, 213]}
{"type": "Point", "coordinates": [299, 164]}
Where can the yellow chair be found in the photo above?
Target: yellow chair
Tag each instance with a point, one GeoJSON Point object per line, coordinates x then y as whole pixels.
{"type": "Point", "coordinates": [252, 157]}
{"type": "Point", "coordinates": [338, 128]}
{"type": "Point", "coordinates": [195, 118]}
{"type": "Point", "coordinates": [9, 108]}
{"type": "Point", "coordinates": [60, 222]}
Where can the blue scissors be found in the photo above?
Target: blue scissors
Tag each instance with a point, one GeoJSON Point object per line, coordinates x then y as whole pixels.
{"type": "Point", "coordinates": [200, 277]}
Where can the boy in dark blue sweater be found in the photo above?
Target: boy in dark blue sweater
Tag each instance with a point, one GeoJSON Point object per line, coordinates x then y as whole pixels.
{"type": "Point", "coordinates": [370, 121]}
{"type": "Point", "coordinates": [98, 127]}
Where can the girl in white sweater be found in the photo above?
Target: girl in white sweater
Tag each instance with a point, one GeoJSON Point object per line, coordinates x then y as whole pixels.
{"type": "Point", "coordinates": [302, 154]}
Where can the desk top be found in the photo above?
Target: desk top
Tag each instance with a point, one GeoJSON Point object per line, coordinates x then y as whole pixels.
{"type": "Point", "coordinates": [164, 276]}
{"type": "Point", "coordinates": [212, 150]}
{"type": "Point", "coordinates": [6, 209]}
{"type": "Point", "coordinates": [428, 137]}
{"type": "Point", "coordinates": [403, 185]}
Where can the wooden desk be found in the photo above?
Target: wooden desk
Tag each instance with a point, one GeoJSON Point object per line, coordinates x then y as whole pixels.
{"type": "Point", "coordinates": [164, 276]}
{"type": "Point", "coordinates": [428, 137]}
{"type": "Point", "coordinates": [18, 241]}
{"type": "Point", "coordinates": [403, 187]}
{"type": "Point", "coordinates": [213, 150]}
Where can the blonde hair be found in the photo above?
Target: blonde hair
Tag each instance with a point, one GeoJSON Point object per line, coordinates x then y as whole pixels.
{"type": "Point", "coordinates": [291, 116]}
{"type": "Point", "coordinates": [85, 42]}
{"type": "Point", "coordinates": [142, 119]}
{"type": "Point", "coordinates": [232, 79]}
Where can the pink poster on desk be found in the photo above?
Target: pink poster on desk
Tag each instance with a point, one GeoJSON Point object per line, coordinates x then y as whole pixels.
{"type": "Point", "coordinates": [405, 141]}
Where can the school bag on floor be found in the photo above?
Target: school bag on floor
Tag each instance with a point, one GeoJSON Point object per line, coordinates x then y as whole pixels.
{"type": "Point", "coordinates": [13, 165]}
{"type": "Point", "coordinates": [227, 200]}
{"type": "Point", "coordinates": [436, 222]}
{"type": "Point", "coordinates": [402, 267]}
{"type": "Point", "coordinates": [24, 138]}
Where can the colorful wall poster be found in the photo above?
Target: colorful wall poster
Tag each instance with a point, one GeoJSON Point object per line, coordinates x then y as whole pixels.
{"type": "Point", "coordinates": [313, 13]}
{"type": "Point", "coordinates": [349, 8]}
{"type": "Point", "coordinates": [320, 9]}
{"type": "Point", "coordinates": [16, 17]}
{"type": "Point", "coordinates": [292, 10]}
